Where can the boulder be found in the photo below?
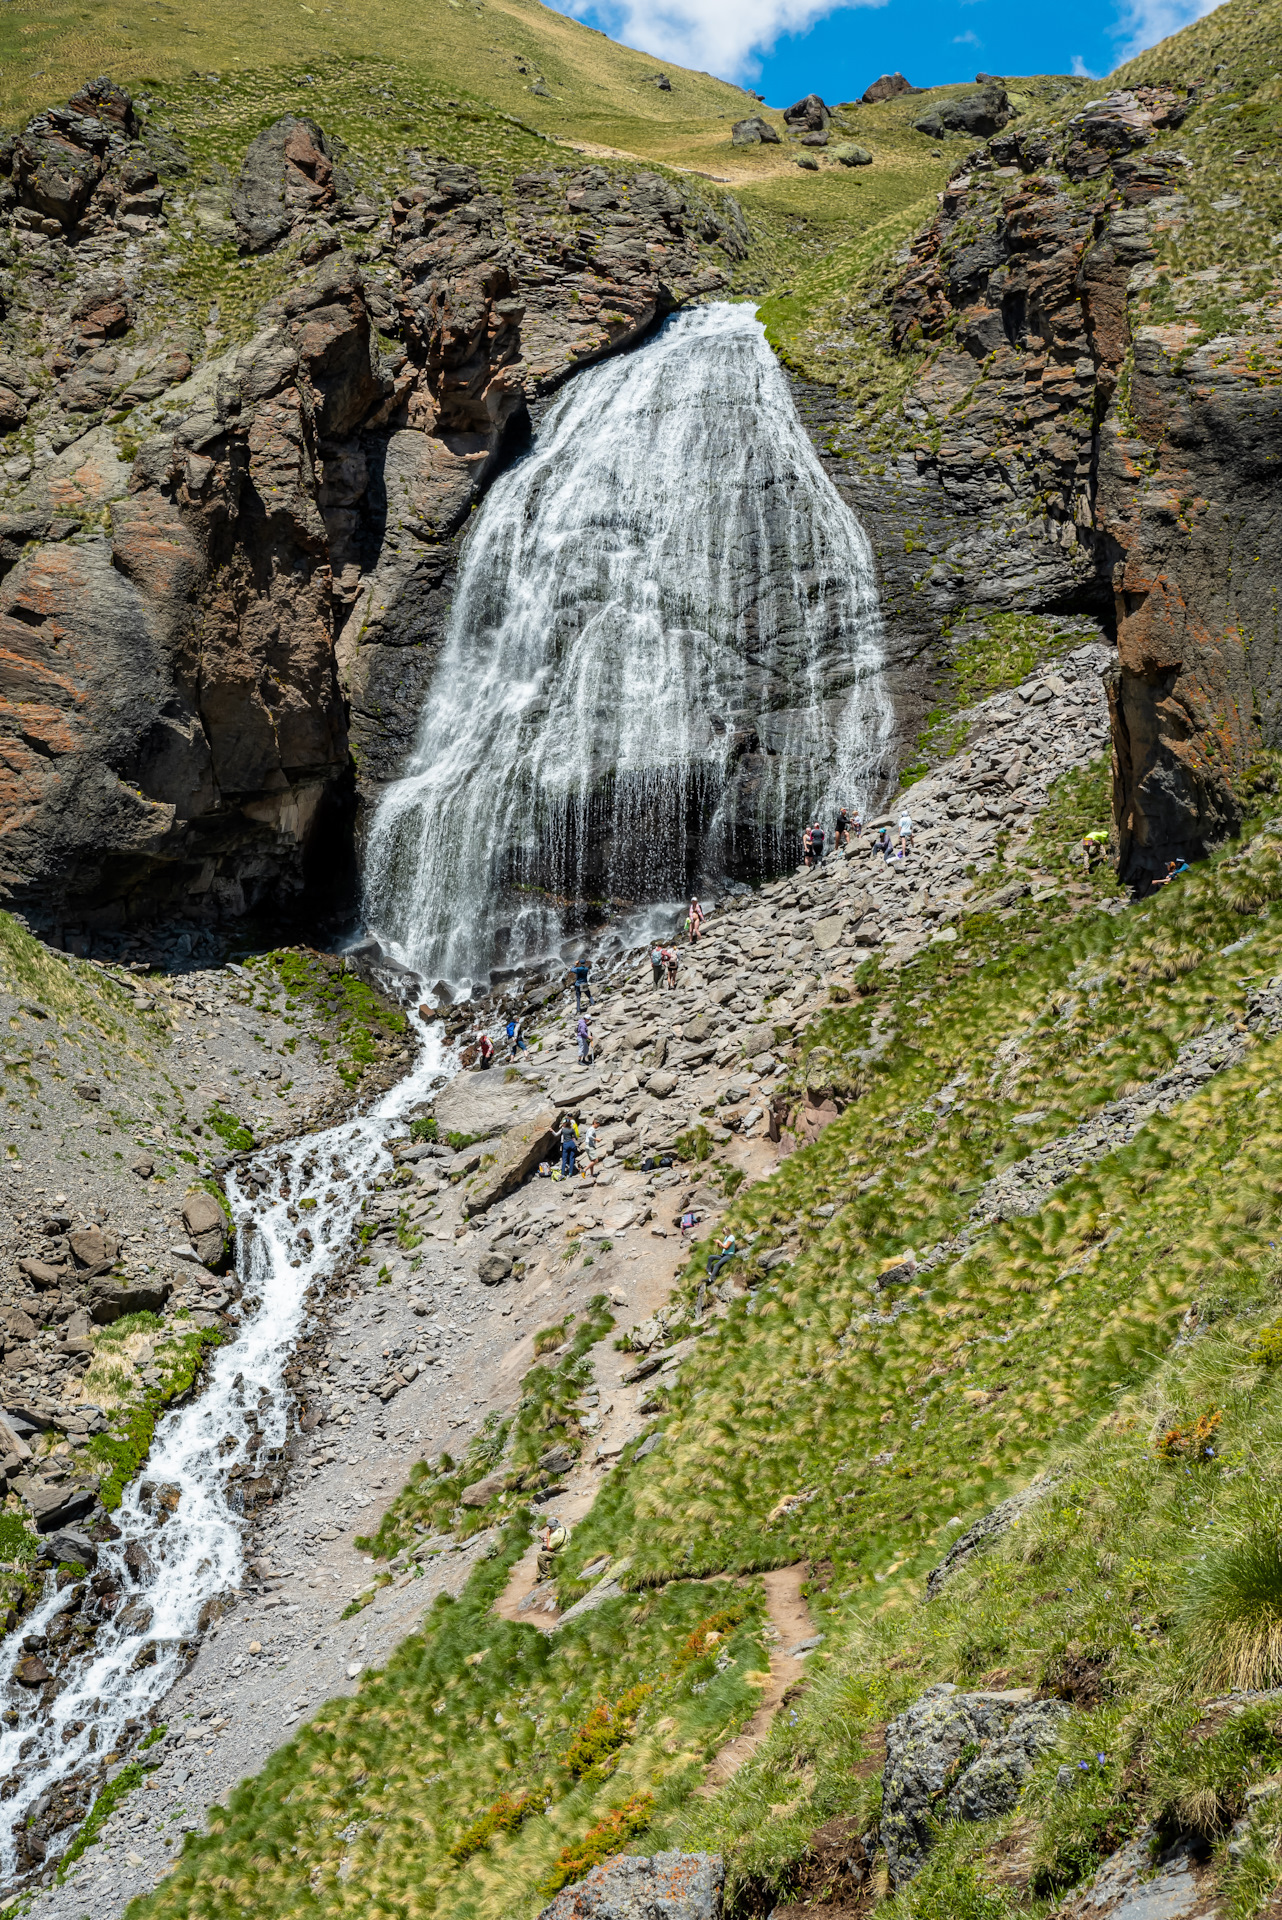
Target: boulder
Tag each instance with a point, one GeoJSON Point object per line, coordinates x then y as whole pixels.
{"type": "Point", "coordinates": [752, 132]}
{"type": "Point", "coordinates": [206, 1222]}
{"type": "Point", "coordinates": [974, 113]}
{"type": "Point", "coordinates": [887, 88]}
{"type": "Point", "coordinates": [662, 1083]}
{"type": "Point", "coordinates": [848, 153]}
{"type": "Point", "coordinates": [31, 1671]}
{"type": "Point", "coordinates": [481, 1492]}
{"type": "Point", "coordinates": [40, 1273]}
{"type": "Point", "coordinates": [287, 173]}
{"type": "Point", "coordinates": [492, 1268]}
{"type": "Point", "coordinates": [93, 1248]}
{"type": "Point", "coordinates": [70, 1547]}
{"type": "Point", "coordinates": [55, 1504]}
{"type": "Point", "coordinates": [110, 1300]}
{"type": "Point", "coordinates": [662, 1886]}
{"type": "Point", "coordinates": [810, 113]}
{"type": "Point", "coordinates": [924, 1783]}
{"type": "Point", "coordinates": [515, 1157]}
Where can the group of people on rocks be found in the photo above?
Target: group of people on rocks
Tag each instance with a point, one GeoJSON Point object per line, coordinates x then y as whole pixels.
{"type": "Point", "coordinates": [848, 823]}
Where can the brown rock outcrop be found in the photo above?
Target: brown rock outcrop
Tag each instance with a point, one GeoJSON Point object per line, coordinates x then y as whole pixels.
{"type": "Point", "coordinates": [194, 635]}
{"type": "Point", "coordinates": [1139, 463]}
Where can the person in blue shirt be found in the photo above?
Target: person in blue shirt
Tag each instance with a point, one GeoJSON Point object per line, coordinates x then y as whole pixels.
{"type": "Point", "coordinates": [581, 986]}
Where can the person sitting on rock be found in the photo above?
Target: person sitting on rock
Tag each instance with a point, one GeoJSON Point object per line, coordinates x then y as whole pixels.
{"type": "Point", "coordinates": [553, 1539]}
{"type": "Point", "coordinates": [728, 1251]}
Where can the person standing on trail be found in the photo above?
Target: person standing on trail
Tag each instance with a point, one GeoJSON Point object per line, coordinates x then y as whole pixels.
{"type": "Point", "coordinates": [515, 1038]}
{"type": "Point", "coordinates": [817, 842]}
{"type": "Point", "coordinates": [591, 1149]}
{"type": "Point", "coordinates": [581, 985]}
{"type": "Point", "coordinates": [672, 963]}
{"type": "Point", "coordinates": [841, 830]}
{"type": "Point", "coordinates": [656, 963]}
{"type": "Point", "coordinates": [807, 850]}
{"type": "Point", "coordinates": [485, 1047]}
{"type": "Point", "coordinates": [905, 832]}
{"type": "Point", "coordinates": [569, 1137]}
{"type": "Point", "coordinates": [694, 921]}
{"type": "Point", "coordinates": [584, 1032]}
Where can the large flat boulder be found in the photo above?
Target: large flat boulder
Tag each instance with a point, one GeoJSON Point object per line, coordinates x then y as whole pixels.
{"type": "Point", "coordinates": [664, 1886]}
{"type": "Point", "coordinates": [486, 1103]}
{"type": "Point", "coordinates": [516, 1156]}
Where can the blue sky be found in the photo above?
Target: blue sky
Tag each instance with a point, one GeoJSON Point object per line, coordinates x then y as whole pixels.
{"type": "Point", "coordinates": [785, 48]}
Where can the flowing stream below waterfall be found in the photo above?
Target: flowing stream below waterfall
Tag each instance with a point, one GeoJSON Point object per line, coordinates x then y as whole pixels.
{"type": "Point", "coordinates": [168, 1566]}
{"type": "Point", "coordinates": [664, 649]}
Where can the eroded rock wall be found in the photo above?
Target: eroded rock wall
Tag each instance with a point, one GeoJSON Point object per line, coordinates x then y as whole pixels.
{"type": "Point", "coordinates": [223, 581]}
{"type": "Point", "coordinates": [1058, 454]}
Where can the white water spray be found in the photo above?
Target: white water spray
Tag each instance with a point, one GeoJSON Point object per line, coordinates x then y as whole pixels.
{"type": "Point", "coordinates": [664, 649]}
{"type": "Point", "coordinates": [194, 1554]}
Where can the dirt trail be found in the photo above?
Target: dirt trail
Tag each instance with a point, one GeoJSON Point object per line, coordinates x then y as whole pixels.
{"type": "Point", "coordinates": [790, 1617]}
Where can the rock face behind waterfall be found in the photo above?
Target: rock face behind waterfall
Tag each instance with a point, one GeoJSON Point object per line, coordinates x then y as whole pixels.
{"type": "Point", "coordinates": [201, 614]}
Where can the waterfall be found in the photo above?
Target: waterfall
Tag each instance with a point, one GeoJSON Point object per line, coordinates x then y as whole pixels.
{"type": "Point", "coordinates": [664, 649]}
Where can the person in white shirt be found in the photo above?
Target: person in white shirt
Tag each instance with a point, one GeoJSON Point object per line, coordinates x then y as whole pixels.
{"type": "Point", "coordinates": [905, 832]}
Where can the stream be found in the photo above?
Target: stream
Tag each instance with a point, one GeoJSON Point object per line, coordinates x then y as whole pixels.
{"type": "Point", "coordinates": [184, 1559]}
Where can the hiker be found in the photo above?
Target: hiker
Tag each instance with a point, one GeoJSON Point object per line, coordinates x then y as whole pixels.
{"type": "Point", "coordinates": [584, 1032]}
{"type": "Point", "coordinates": [515, 1038]}
{"type": "Point", "coordinates": [694, 921]}
{"type": "Point", "coordinates": [591, 1149]}
{"type": "Point", "coordinates": [817, 842]}
{"type": "Point", "coordinates": [728, 1251]}
{"type": "Point", "coordinates": [883, 844]}
{"type": "Point", "coordinates": [486, 1047]}
{"type": "Point", "coordinates": [671, 962]}
{"type": "Point", "coordinates": [1093, 845]}
{"type": "Point", "coordinates": [1174, 868]}
{"type": "Point", "coordinates": [807, 851]}
{"type": "Point", "coordinates": [551, 1540]}
{"type": "Point", "coordinates": [905, 832]}
{"type": "Point", "coordinates": [581, 985]}
{"type": "Point", "coordinates": [569, 1136]}
{"type": "Point", "coordinates": [841, 830]}
{"type": "Point", "coordinates": [656, 962]}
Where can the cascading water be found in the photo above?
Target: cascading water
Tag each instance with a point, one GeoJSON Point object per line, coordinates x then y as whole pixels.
{"type": "Point", "coordinates": [194, 1554]}
{"type": "Point", "coordinates": [667, 578]}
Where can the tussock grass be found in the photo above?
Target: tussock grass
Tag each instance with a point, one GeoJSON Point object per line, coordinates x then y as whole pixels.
{"type": "Point", "coordinates": [1234, 1603]}
{"type": "Point", "coordinates": [859, 1428]}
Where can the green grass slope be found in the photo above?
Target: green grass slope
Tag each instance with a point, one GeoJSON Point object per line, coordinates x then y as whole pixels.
{"type": "Point", "coordinates": [859, 1429]}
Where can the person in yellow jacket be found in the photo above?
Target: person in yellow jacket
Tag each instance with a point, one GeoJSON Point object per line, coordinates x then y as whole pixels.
{"type": "Point", "coordinates": [552, 1540]}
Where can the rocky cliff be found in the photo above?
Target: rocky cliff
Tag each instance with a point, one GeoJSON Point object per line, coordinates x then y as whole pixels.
{"type": "Point", "coordinates": [224, 576]}
{"type": "Point", "coordinates": [1084, 422]}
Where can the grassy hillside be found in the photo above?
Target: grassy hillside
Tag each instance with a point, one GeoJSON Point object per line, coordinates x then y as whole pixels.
{"type": "Point", "coordinates": [861, 1429]}
{"type": "Point", "coordinates": [228, 70]}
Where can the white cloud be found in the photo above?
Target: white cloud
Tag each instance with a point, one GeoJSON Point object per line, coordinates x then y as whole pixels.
{"type": "Point", "coordinates": [724, 37]}
{"type": "Point", "coordinates": [1080, 68]}
{"type": "Point", "coordinates": [967, 39]}
{"type": "Point", "coordinates": [1142, 23]}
